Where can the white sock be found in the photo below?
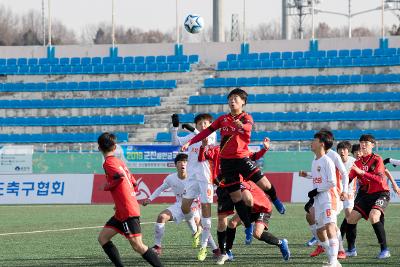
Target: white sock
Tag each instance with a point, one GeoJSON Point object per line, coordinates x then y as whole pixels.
{"type": "Point", "coordinates": [313, 229]}
{"type": "Point", "coordinates": [192, 225]}
{"type": "Point", "coordinates": [333, 250]}
{"type": "Point", "coordinates": [211, 242]}
{"type": "Point", "coordinates": [188, 216]}
{"type": "Point", "coordinates": [206, 223]}
{"type": "Point", "coordinates": [158, 233]}
{"type": "Point", "coordinates": [325, 245]}
{"type": "Point", "coordinates": [340, 239]}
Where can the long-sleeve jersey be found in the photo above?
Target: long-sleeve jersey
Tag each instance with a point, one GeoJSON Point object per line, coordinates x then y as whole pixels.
{"type": "Point", "coordinates": [173, 182]}
{"type": "Point", "coordinates": [353, 184]}
{"type": "Point", "coordinates": [374, 179]}
{"type": "Point", "coordinates": [395, 162]}
{"type": "Point", "coordinates": [234, 140]}
{"type": "Point", "coordinates": [120, 182]}
{"type": "Point", "coordinates": [324, 180]}
{"type": "Point", "coordinates": [196, 170]}
{"type": "Point", "coordinates": [212, 154]}
{"type": "Point", "coordinates": [342, 175]}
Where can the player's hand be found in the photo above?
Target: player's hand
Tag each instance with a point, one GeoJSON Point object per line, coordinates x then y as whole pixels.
{"type": "Point", "coordinates": [386, 161]}
{"type": "Point", "coordinates": [313, 193]}
{"type": "Point", "coordinates": [188, 127]}
{"type": "Point", "coordinates": [344, 196]}
{"type": "Point", "coordinates": [357, 170]}
{"type": "Point", "coordinates": [303, 174]}
{"type": "Point", "coordinates": [204, 142]}
{"type": "Point", "coordinates": [146, 202]}
{"type": "Point", "coordinates": [239, 124]}
{"type": "Point", "coordinates": [175, 120]}
{"type": "Point", "coordinates": [185, 147]}
{"type": "Point", "coordinates": [266, 143]}
{"type": "Point", "coordinates": [308, 205]}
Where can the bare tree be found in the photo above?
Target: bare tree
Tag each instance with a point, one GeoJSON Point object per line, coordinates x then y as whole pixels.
{"type": "Point", "coordinates": [265, 31]}
{"type": "Point", "coordinates": [8, 26]}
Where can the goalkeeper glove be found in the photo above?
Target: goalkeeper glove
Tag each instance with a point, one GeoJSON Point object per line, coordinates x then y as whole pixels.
{"type": "Point", "coordinates": [308, 205]}
{"type": "Point", "coordinates": [175, 120]}
{"type": "Point", "coordinates": [188, 127]}
{"type": "Point", "coordinates": [313, 193]}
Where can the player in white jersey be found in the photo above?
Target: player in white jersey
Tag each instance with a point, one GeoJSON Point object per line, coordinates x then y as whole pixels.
{"type": "Point", "coordinates": [175, 182]}
{"type": "Point", "coordinates": [199, 184]}
{"type": "Point", "coordinates": [394, 162]}
{"type": "Point", "coordinates": [325, 197]}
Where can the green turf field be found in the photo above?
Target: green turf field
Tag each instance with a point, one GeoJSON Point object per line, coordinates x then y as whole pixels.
{"type": "Point", "coordinates": [77, 246]}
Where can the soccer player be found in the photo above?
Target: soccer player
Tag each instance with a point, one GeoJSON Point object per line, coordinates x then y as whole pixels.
{"type": "Point", "coordinates": [394, 162]}
{"type": "Point", "coordinates": [199, 184]}
{"type": "Point", "coordinates": [372, 198]}
{"type": "Point", "coordinates": [126, 220]}
{"type": "Point", "coordinates": [235, 132]}
{"type": "Point", "coordinates": [325, 196]}
{"type": "Point", "coordinates": [260, 214]}
{"type": "Point", "coordinates": [175, 182]}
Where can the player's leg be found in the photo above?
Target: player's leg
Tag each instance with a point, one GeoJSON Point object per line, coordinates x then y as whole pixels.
{"type": "Point", "coordinates": [230, 234]}
{"type": "Point", "coordinates": [191, 192]}
{"type": "Point", "coordinates": [248, 200]}
{"type": "Point", "coordinates": [104, 238]}
{"type": "Point", "coordinates": [361, 209]}
{"type": "Point", "coordinates": [333, 242]}
{"type": "Point", "coordinates": [310, 217]}
{"type": "Point", "coordinates": [195, 225]}
{"type": "Point", "coordinates": [206, 193]}
{"type": "Point", "coordinates": [376, 217]}
{"type": "Point", "coordinates": [159, 229]}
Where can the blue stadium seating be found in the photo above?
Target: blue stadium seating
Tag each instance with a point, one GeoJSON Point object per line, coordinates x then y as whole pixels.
{"type": "Point", "coordinates": [57, 138]}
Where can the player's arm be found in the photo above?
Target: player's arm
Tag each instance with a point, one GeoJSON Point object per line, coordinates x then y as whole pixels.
{"type": "Point", "coordinates": [203, 134]}
{"type": "Point", "coordinates": [344, 174]}
{"type": "Point", "coordinates": [245, 123]}
{"type": "Point", "coordinates": [376, 175]}
{"type": "Point", "coordinates": [165, 185]}
{"type": "Point", "coordinates": [116, 175]}
{"type": "Point", "coordinates": [395, 187]}
{"type": "Point", "coordinates": [259, 154]}
{"type": "Point", "coordinates": [305, 174]}
{"type": "Point", "coordinates": [394, 162]}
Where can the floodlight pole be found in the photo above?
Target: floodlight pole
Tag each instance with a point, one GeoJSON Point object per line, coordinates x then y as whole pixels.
{"type": "Point", "coordinates": [113, 24]}
{"type": "Point", "coordinates": [349, 18]}
{"type": "Point", "coordinates": [43, 24]}
{"type": "Point", "coordinates": [244, 21]}
{"type": "Point", "coordinates": [312, 20]}
{"type": "Point", "coordinates": [177, 21]}
{"type": "Point", "coordinates": [383, 19]}
{"type": "Point", "coordinates": [49, 20]}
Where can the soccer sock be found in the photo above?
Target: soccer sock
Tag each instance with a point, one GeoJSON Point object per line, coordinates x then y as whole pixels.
{"type": "Point", "coordinates": [333, 250]}
{"type": "Point", "coordinates": [271, 193]}
{"type": "Point", "coordinates": [343, 227]}
{"type": "Point", "coordinates": [188, 216]}
{"type": "Point", "coordinates": [242, 211]}
{"type": "Point", "coordinates": [340, 239]}
{"type": "Point", "coordinates": [112, 252]}
{"type": "Point", "coordinates": [325, 245]}
{"type": "Point", "coordinates": [230, 237]}
{"type": "Point", "coordinates": [270, 239]}
{"type": "Point", "coordinates": [158, 233]}
{"type": "Point", "coordinates": [380, 234]}
{"type": "Point", "coordinates": [382, 219]}
{"type": "Point", "coordinates": [313, 229]}
{"type": "Point", "coordinates": [206, 223]}
{"type": "Point", "coordinates": [351, 235]}
{"type": "Point", "coordinates": [192, 225]}
{"type": "Point", "coordinates": [151, 257]}
{"type": "Point", "coordinates": [211, 242]}
{"type": "Point", "coordinates": [221, 240]}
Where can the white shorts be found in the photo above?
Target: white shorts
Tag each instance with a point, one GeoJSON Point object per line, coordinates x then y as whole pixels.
{"type": "Point", "coordinates": [349, 203]}
{"type": "Point", "coordinates": [325, 215]}
{"type": "Point", "coordinates": [177, 214]}
{"type": "Point", "coordinates": [199, 189]}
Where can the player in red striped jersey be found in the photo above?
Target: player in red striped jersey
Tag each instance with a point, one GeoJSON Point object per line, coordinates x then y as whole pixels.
{"type": "Point", "coordinates": [126, 220]}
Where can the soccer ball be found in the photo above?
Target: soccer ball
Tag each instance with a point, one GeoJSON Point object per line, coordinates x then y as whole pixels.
{"type": "Point", "coordinates": [194, 23]}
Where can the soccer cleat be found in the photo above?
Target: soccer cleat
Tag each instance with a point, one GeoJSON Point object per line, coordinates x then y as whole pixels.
{"type": "Point", "coordinates": [341, 255]}
{"type": "Point", "coordinates": [216, 253]}
{"type": "Point", "coordinates": [202, 254]}
{"type": "Point", "coordinates": [279, 206]}
{"type": "Point", "coordinates": [335, 264]}
{"type": "Point", "coordinates": [230, 255]}
{"type": "Point", "coordinates": [249, 234]}
{"type": "Point", "coordinates": [384, 254]}
{"type": "Point", "coordinates": [157, 250]}
{"type": "Point", "coordinates": [284, 247]}
{"type": "Point", "coordinates": [313, 241]}
{"type": "Point", "coordinates": [222, 259]}
{"type": "Point", "coordinates": [351, 253]}
{"type": "Point", "coordinates": [196, 238]}
{"type": "Point", "coordinates": [318, 251]}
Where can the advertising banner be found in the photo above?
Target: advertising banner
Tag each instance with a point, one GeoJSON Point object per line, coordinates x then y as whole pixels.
{"type": "Point", "coordinates": [149, 156]}
{"type": "Point", "coordinates": [16, 159]}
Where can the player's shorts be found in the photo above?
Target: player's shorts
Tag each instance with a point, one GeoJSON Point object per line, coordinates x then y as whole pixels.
{"type": "Point", "coordinates": [349, 203]}
{"type": "Point", "coordinates": [364, 202]}
{"type": "Point", "coordinates": [177, 214]}
{"type": "Point", "coordinates": [199, 189]}
{"type": "Point", "coordinates": [261, 217]}
{"type": "Point", "coordinates": [224, 201]}
{"type": "Point", "coordinates": [324, 216]}
{"type": "Point", "coordinates": [232, 168]}
{"type": "Point", "coordinates": [128, 228]}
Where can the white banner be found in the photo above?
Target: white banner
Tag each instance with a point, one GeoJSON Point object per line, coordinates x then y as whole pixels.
{"type": "Point", "coordinates": [46, 189]}
{"type": "Point", "coordinates": [16, 159]}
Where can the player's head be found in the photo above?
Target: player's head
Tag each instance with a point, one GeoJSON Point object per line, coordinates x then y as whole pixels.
{"type": "Point", "coordinates": [367, 143]}
{"type": "Point", "coordinates": [356, 151]}
{"type": "Point", "coordinates": [321, 142]}
{"type": "Point", "coordinates": [343, 149]}
{"type": "Point", "coordinates": [202, 121]}
{"type": "Point", "coordinates": [329, 134]}
{"type": "Point", "coordinates": [107, 142]}
{"type": "Point", "coordinates": [181, 162]}
{"type": "Point", "coordinates": [237, 98]}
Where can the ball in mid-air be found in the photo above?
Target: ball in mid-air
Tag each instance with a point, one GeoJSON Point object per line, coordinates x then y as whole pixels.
{"type": "Point", "coordinates": [194, 23]}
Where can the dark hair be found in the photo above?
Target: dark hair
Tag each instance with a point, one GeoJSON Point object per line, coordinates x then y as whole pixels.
{"type": "Point", "coordinates": [180, 157]}
{"type": "Point", "coordinates": [239, 92]}
{"type": "Point", "coordinates": [107, 142]}
{"type": "Point", "coordinates": [344, 145]}
{"type": "Point", "coordinates": [324, 138]}
{"type": "Point", "coordinates": [355, 148]}
{"type": "Point", "coordinates": [327, 132]}
{"type": "Point", "coordinates": [203, 116]}
{"type": "Point", "coordinates": [367, 138]}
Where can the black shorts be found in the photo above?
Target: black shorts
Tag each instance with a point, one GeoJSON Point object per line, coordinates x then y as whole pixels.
{"type": "Point", "coordinates": [365, 202]}
{"type": "Point", "coordinates": [231, 169]}
{"type": "Point", "coordinates": [128, 228]}
{"type": "Point", "coordinates": [261, 217]}
{"type": "Point", "coordinates": [224, 201]}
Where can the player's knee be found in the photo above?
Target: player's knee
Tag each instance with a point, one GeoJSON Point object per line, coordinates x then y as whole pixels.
{"type": "Point", "coordinates": [374, 216]}
{"type": "Point", "coordinates": [257, 233]}
{"type": "Point", "coordinates": [222, 223]}
{"type": "Point", "coordinates": [138, 246]}
{"type": "Point", "coordinates": [162, 218]}
{"type": "Point", "coordinates": [102, 239]}
{"type": "Point", "coordinates": [232, 224]}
